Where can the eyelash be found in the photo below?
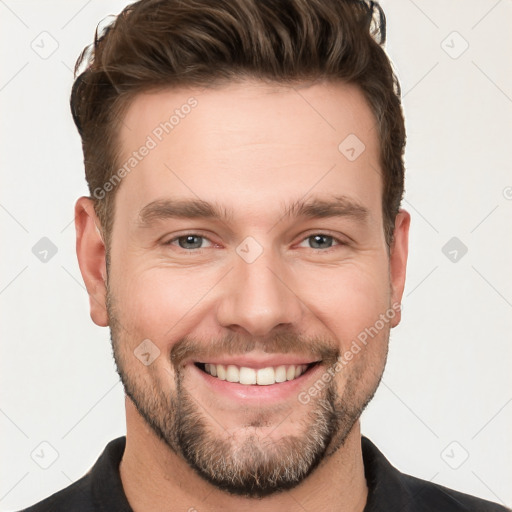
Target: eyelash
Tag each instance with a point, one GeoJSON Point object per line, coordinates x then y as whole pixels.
{"type": "Point", "coordinates": [336, 241]}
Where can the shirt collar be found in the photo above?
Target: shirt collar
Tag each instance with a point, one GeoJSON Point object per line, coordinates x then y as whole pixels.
{"type": "Point", "coordinates": [386, 488]}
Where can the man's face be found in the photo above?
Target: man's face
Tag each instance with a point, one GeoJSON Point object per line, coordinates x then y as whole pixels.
{"type": "Point", "coordinates": [247, 238]}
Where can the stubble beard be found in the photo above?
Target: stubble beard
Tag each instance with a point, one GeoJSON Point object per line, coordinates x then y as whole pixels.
{"type": "Point", "coordinates": [249, 464]}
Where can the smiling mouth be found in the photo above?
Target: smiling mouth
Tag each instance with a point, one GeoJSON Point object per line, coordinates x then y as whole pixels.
{"type": "Point", "coordinates": [255, 377]}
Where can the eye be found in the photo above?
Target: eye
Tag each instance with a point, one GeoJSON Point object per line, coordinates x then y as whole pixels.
{"type": "Point", "coordinates": [190, 241]}
{"type": "Point", "coordinates": [320, 241]}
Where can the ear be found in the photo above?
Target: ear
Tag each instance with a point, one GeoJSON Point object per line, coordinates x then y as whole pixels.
{"type": "Point", "coordinates": [398, 260]}
{"type": "Point", "coordinates": [90, 250]}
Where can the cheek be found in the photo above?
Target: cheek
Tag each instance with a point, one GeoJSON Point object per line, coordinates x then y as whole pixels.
{"type": "Point", "coordinates": [155, 308]}
{"type": "Point", "coordinates": [349, 299]}
{"type": "Point", "coordinates": [158, 302]}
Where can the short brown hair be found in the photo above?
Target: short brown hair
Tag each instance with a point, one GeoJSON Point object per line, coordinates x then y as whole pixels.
{"type": "Point", "coordinates": [156, 44]}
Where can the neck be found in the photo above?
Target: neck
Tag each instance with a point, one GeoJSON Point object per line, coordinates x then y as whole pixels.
{"type": "Point", "coordinates": [155, 478]}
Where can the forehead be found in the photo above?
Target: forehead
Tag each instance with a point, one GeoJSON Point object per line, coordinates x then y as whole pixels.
{"type": "Point", "coordinates": [249, 144]}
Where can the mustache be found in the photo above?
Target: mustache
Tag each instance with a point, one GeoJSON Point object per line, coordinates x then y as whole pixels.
{"type": "Point", "coordinates": [311, 347]}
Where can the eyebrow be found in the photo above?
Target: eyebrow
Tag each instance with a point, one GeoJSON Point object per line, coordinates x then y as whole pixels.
{"type": "Point", "coordinates": [163, 209]}
{"type": "Point", "coordinates": [181, 208]}
{"type": "Point", "coordinates": [338, 206]}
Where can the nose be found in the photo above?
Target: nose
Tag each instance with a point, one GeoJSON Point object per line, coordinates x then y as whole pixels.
{"type": "Point", "coordinates": [259, 297]}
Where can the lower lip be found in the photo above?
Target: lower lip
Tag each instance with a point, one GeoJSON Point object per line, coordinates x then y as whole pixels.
{"type": "Point", "coordinates": [271, 393]}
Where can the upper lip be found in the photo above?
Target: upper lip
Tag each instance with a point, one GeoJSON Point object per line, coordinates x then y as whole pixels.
{"type": "Point", "coordinates": [258, 362]}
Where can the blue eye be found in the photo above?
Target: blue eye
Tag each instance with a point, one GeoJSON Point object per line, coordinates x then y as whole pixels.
{"type": "Point", "coordinates": [192, 242]}
{"type": "Point", "coordinates": [320, 241]}
{"type": "Point", "coordinates": [189, 241]}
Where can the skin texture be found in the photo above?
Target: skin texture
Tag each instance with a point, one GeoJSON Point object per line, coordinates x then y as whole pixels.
{"type": "Point", "coordinates": [253, 149]}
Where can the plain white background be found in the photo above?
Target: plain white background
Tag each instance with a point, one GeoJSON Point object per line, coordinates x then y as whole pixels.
{"type": "Point", "coordinates": [444, 409]}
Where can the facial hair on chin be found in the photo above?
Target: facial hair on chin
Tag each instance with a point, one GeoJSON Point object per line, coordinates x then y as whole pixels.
{"type": "Point", "coordinates": [257, 466]}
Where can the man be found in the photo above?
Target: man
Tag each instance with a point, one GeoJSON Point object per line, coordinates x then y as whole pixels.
{"type": "Point", "coordinates": [244, 232]}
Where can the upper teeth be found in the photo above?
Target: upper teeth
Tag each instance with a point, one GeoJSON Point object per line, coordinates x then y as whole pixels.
{"type": "Point", "coordinates": [248, 376]}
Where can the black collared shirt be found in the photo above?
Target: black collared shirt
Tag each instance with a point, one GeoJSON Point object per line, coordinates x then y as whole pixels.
{"type": "Point", "coordinates": [389, 490]}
